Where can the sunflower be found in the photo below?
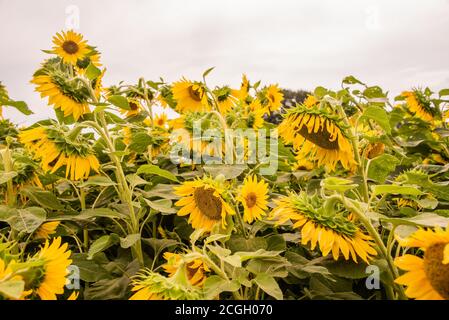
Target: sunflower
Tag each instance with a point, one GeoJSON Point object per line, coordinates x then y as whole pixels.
{"type": "Point", "coordinates": [419, 105]}
{"type": "Point", "coordinates": [318, 137]}
{"type": "Point", "coordinates": [135, 107]}
{"type": "Point", "coordinates": [55, 151]}
{"type": "Point", "coordinates": [161, 120]}
{"type": "Point", "coordinates": [332, 232]}
{"type": "Point", "coordinates": [46, 229]}
{"type": "Point", "coordinates": [426, 278]}
{"type": "Point", "coordinates": [70, 46]}
{"type": "Point", "coordinates": [55, 261]}
{"type": "Point", "coordinates": [226, 99]}
{"type": "Point", "coordinates": [310, 101]}
{"type": "Point", "coordinates": [195, 268]}
{"type": "Point", "coordinates": [373, 150]}
{"type": "Point", "coordinates": [255, 118]}
{"type": "Point", "coordinates": [93, 57]}
{"type": "Point", "coordinates": [273, 97]}
{"type": "Point", "coordinates": [303, 164]}
{"type": "Point", "coordinates": [253, 196]}
{"type": "Point", "coordinates": [190, 96]}
{"type": "Point", "coordinates": [149, 285]}
{"type": "Point", "coordinates": [7, 275]}
{"type": "Point", "coordinates": [203, 200]}
{"type": "Point", "coordinates": [61, 95]}
{"type": "Point", "coordinates": [244, 88]}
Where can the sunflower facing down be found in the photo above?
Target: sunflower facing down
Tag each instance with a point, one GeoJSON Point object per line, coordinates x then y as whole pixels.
{"type": "Point", "coordinates": [195, 269]}
{"type": "Point", "coordinates": [54, 152]}
{"type": "Point", "coordinates": [318, 137]}
{"type": "Point", "coordinates": [70, 46]}
{"type": "Point", "coordinates": [426, 278]}
{"type": "Point", "coordinates": [226, 99]}
{"type": "Point", "coordinates": [55, 261]}
{"type": "Point", "coordinates": [190, 96]}
{"type": "Point", "coordinates": [253, 196]}
{"type": "Point", "coordinates": [135, 107]}
{"type": "Point", "coordinates": [46, 229]}
{"type": "Point", "coordinates": [332, 233]}
{"type": "Point", "coordinates": [61, 96]}
{"type": "Point", "coordinates": [244, 88]}
{"type": "Point", "coordinates": [203, 200]}
{"type": "Point", "coordinates": [418, 105]}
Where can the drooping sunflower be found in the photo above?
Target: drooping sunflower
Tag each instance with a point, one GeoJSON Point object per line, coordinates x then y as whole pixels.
{"type": "Point", "coordinates": [253, 196]}
{"type": "Point", "coordinates": [149, 285]}
{"type": "Point", "coordinates": [92, 57]}
{"type": "Point", "coordinates": [70, 46]}
{"type": "Point", "coordinates": [54, 150]}
{"type": "Point", "coordinates": [310, 101]}
{"type": "Point", "coordinates": [135, 107]}
{"type": "Point", "coordinates": [318, 137]}
{"type": "Point", "coordinates": [190, 96]}
{"type": "Point", "coordinates": [426, 278]}
{"type": "Point", "coordinates": [196, 269]}
{"type": "Point", "coordinates": [55, 259]}
{"type": "Point", "coordinates": [203, 200]}
{"type": "Point", "coordinates": [419, 105]}
{"type": "Point", "coordinates": [46, 229]}
{"type": "Point", "coordinates": [243, 92]}
{"type": "Point", "coordinates": [226, 99]}
{"type": "Point", "coordinates": [272, 97]}
{"type": "Point", "coordinates": [331, 232]}
{"type": "Point", "coordinates": [62, 92]}
{"type": "Point", "coordinates": [255, 118]}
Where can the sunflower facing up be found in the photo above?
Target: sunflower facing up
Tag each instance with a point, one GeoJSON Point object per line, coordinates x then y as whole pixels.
{"type": "Point", "coordinates": [55, 259]}
{"type": "Point", "coordinates": [70, 46]}
{"type": "Point", "coordinates": [190, 96]}
{"type": "Point", "coordinates": [226, 99]}
{"type": "Point", "coordinates": [419, 105]}
{"type": "Point", "coordinates": [54, 150]}
{"type": "Point", "coordinates": [426, 278]}
{"type": "Point", "coordinates": [203, 200]}
{"type": "Point", "coordinates": [253, 196]}
{"type": "Point", "coordinates": [195, 268]}
{"type": "Point", "coordinates": [272, 97]}
{"type": "Point", "coordinates": [317, 136]}
{"type": "Point", "coordinates": [331, 232]}
{"type": "Point", "coordinates": [62, 92]}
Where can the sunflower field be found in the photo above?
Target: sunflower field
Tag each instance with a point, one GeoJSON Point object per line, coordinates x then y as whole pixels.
{"type": "Point", "coordinates": [244, 195]}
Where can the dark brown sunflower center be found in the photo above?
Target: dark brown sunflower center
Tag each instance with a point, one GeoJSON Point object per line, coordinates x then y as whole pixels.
{"type": "Point", "coordinates": [133, 106]}
{"type": "Point", "coordinates": [196, 93]}
{"type": "Point", "coordinates": [271, 97]}
{"type": "Point", "coordinates": [251, 199]}
{"type": "Point", "coordinates": [208, 204]}
{"type": "Point", "coordinates": [322, 138]}
{"type": "Point", "coordinates": [160, 122]}
{"type": "Point", "coordinates": [437, 273]}
{"type": "Point", "coordinates": [70, 47]}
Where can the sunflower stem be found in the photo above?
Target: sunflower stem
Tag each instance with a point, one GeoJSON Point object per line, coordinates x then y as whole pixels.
{"type": "Point", "coordinates": [8, 167]}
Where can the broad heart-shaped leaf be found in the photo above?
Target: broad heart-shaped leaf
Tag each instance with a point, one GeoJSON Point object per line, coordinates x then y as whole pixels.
{"type": "Point", "coordinates": [159, 245]}
{"type": "Point", "coordinates": [140, 142]}
{"type": "Point", "coordinates": [152, 169]}
{"type": "Point", "coordinates": [269, 285]}
{"type": "Point", "coordinates": [92, 71]}
{"type": "Point", "coordinates": [381, 166]}
{"type": "Point", "coordinates": [129, 240]}
{"type": "Point", "coordinates": [214, 285]}
{"type": "Point", "coordinates": [395, 189]}
{"type": "Point", "coordinates": [26, 220]}
{"type": "Point", "coordinates": [90, 270]}
{"type": "Point", "coordinates": [18, 105]}
{"type": "Point", "coordinates": [6, 176]}
{"type": "Point", "coordinates": [135, 180]}
{"type": "Point", "coordinates": [425, 219]}
{"type": "Point", "coordinates": [164, 206]}
{"type": "Point", "coordinates": [120, 102]}
{"type": "Point", "coordinates": [12, 288]}
{"type": "Point", "coordinates": [97, 181]}
{"type": "Point", "coordinates": [102, 244]}
{"type": "Point", "coordinates": [229, 171]}
{"type": "Point", "coordinates": [379, 115]}
{"type": "Point", "coordinates": [44, 198]}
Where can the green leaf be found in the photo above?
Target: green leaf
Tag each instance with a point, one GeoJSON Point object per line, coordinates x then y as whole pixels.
{"type": "Point", "coordinates": [18, 105]}
{"type": "Point", "coordinates": [90, 270]}
{"type": "Point", "coordinates": [120, 102]}
{"type": "Point", "coordinates": [12, 288]}
{"type": "Point", "coordinates": [97, 181]}
{"type": "Point", "coordinates": [394, 189]}
{"type": "Point", "coordinates": [92, 71]}
{"type": "Point", "coordinates": [352, 80]}
{"type": "Point", "coordinates": [444, 92]}
{"type": "Point", "coordinates": [102, 244]}
{"type": "Point", "coordinates": [88, 214]}
{"type": "Point", "coordinates": [381, 166]}
{"type": "Point", "coordinates": [140, 142]}
{"type": "Point", "coordinates": [6, 176]}
{"type": "Point", "coordinates": [161, 205]}
{"type": "Point", "coordinates": [338, 184]}
{"type": "Point", "coordinates": [44, 198]}
{"type": "Point", "coordinates": [130, 240]}
{"type": "Point", "coordinates": [229, 171]}
{"type": "Point", "coordinates": [152, 169]}
{"type": "Point", "coordinates": [135, 180]}
{"type": "Point", "coordinates": [27, 220]}
{"type": "Point", "coordinates": [207, 72]}
{"type": "Point", "coordinates": [261, 253]}
{"type": "Point", "coordinates": [269, 285]}
{"type": "Point", "coordinates": [214, 285]}
{"type": "Point", "coordinates": [379, 115]}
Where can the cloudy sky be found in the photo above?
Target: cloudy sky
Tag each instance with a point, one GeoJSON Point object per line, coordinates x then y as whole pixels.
{"type": "Point", "coordinates": [298, 44]}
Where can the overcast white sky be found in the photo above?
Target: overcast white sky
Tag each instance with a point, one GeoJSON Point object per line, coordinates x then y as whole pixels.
{"type": "Point", "coordinates": [298, 44]}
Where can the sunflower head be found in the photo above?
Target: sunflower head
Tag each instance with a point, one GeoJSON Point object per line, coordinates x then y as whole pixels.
{"type": "Point", "coordinates": [254, 198]}
{"type": "Point", "coordinates": [204, 200]}
{"type": "Point", "coordinates": [332, 231]}
{"type": "Point", "coordinates": [271, 97]}
{"type": "Point", "coordinates": [426, 277]}
{"type": "Point", "coordinates": [226, 99]}
{"type": "Point", "coordinates": [190, 96]}
{"type": "Point", "coordinates": [70, 46]}
{"type": "Point", "coordinates": [419, 104]}
{"type": "Point", "coordinates": [195, 268]}
{"type": "Point", "coordinates": [317, 136]}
